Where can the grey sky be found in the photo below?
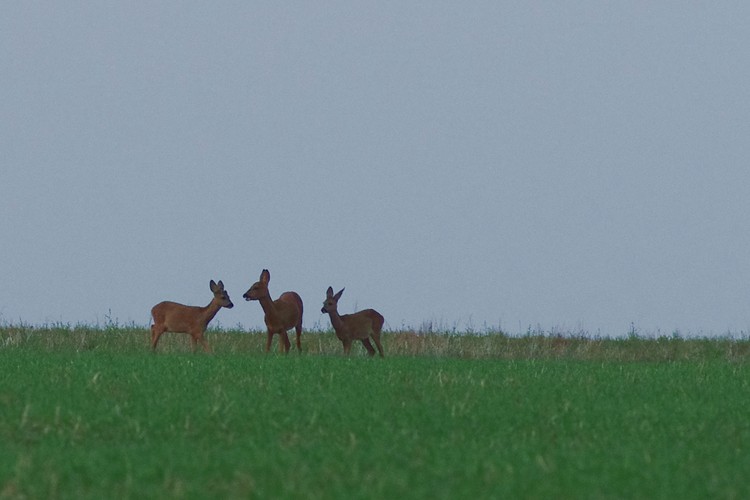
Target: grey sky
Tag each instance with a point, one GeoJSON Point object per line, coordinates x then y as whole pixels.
{"type": "Point", "coordinates": [571, 165]}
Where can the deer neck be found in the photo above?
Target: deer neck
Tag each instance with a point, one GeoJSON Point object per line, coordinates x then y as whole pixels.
{"type": "Point", "coordinates": [268, 307]}
{"type": "Point", "coordinates": [336, 321]}
{"type": "Point", "coordinates": [210, 311]}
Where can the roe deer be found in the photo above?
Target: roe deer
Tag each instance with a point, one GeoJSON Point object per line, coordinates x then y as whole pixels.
{"type": "Point", "coordinates": [281, 314]}
{"type": "Point", "coordinates": [193, 320]}
{"type": "Point", "coordinates": [357, 326]}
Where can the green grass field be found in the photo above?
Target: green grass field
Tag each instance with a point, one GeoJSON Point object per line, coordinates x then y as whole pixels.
{"type": "Point", "coordinates": [92, 413]}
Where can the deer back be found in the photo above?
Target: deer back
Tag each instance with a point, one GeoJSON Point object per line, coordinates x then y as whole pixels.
{"type": "Point", "coordinates": [361, 324]}
{"type": "Point", "coordinates": [288, 310]}
{"type": "Point", "coordinates": [177, 317]}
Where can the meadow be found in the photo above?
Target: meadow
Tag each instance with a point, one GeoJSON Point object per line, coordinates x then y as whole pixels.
{"type": "Point", "coordinates": [90, 413]}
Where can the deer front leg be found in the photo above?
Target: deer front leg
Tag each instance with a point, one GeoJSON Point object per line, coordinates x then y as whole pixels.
{"type": "Point", "coordinates": [268, 341]}
{"type": "Point", "coordinates": [347, 346]}
{"type": "Point", "coordinates": [203, 343]}
{"type": "Point", "coordinates": [196, 337]}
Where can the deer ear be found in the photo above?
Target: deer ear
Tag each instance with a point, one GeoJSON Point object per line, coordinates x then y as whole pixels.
{"type": "Point", "coordinates": [212, 285]}
{"type": "Point", "coordinates": [220, 284]}
{"type": "Point", "coordinates": [329, 292]}
{"type": "Point", "coordinates": [265, 276]}
{"type": "Point", "coordinates": [338, 295]}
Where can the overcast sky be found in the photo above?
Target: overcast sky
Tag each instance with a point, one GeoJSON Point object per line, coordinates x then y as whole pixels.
{"type": "Point", "coordinates": [570, 166]}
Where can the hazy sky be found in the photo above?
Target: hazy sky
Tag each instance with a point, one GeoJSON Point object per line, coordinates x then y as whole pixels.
{"type": "Point", "coordinates": [565, 165]}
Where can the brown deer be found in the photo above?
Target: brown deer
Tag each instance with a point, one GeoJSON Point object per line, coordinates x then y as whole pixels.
{"type": "Point", "coordinates": [357, 326]}
{"type": "Point", "coordinates": [193, 320]}
{"type": "Point", "coordinates": [281, 314]}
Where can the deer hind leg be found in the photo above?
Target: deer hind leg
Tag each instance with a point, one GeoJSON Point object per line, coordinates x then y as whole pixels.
{"type": "Point", "coordinates": [368, 346]}
{"type": "Point", "coordinates": [268, 341]}
{"type": "Point", "coordinates": [156, 331]}
{"type": "Point", "coordinates": [298, 329]}
{"type": "Point", "coordinates": [376, 337]}
{"type": "Point", "coordinates": [284, 344]}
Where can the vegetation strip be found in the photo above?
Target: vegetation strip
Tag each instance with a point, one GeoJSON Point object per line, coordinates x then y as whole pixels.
{"type": "Point", "coordinates": [93, 413]}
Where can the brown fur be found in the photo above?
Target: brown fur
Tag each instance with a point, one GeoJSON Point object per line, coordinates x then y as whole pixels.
{"type": "Point", "coordinates": [281, 314]}
{"type": "Point", "coordinates": [193, 320]}
{"type": "Point", "coordinates": [357, 326]}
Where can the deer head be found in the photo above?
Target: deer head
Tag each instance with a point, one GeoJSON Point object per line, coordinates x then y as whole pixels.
{"type": "Point", "coordinates": [259, 288]}
{"type": "Point", "coordinates": [331, 302]}
{"type": "Point", "coordinates": [220, 294]}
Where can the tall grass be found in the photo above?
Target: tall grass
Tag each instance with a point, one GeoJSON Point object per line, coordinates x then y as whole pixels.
{"type": "Point", "coordinates": [409, 343]}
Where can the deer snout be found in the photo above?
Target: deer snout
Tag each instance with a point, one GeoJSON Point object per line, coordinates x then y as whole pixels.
{"type": "Point", "coordinates": [323, 310]}
{"type": "Point", "coordinates": [229, 306]}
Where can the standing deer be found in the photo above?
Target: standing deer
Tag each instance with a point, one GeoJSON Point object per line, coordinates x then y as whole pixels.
{"type": "Point", "coordinates": [193, 320]}
{"type": "Point", "coordinates": [357, 326]}
{"type": "Point", "coordinates": [281, 314]}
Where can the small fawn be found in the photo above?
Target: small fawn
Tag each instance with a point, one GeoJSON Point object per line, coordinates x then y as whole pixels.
{"type": "Point", "coordinates": [193, 320]}
{"type": "Point", "coordinates": [357, 326]}
{"type": "Point", "coordinates": [281, 314]}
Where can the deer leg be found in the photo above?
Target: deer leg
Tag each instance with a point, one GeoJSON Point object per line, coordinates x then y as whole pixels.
{"type": "Point", "coordinates": [268, 341]}
{"type": "Point", "coordinates": [156, 332]}
{"type": "Point", "coordinates": [298, 328]}
{"type": "Point", "coordinates": [376, 338]}
{"type": "Point", "coordinates": [347, 346]}
{"type": "Point", "coordinates": [204, 344]}
{"type": "Point", "coordinates": [284, 343]}
{"type": "Point", "coordinates": [368, 346]}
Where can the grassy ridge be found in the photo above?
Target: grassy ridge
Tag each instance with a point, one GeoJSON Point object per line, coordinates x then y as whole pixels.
{"type": "Point", "coordinates": [91, 413]}
{"type": "Point", "coordinates": [136, 339]}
